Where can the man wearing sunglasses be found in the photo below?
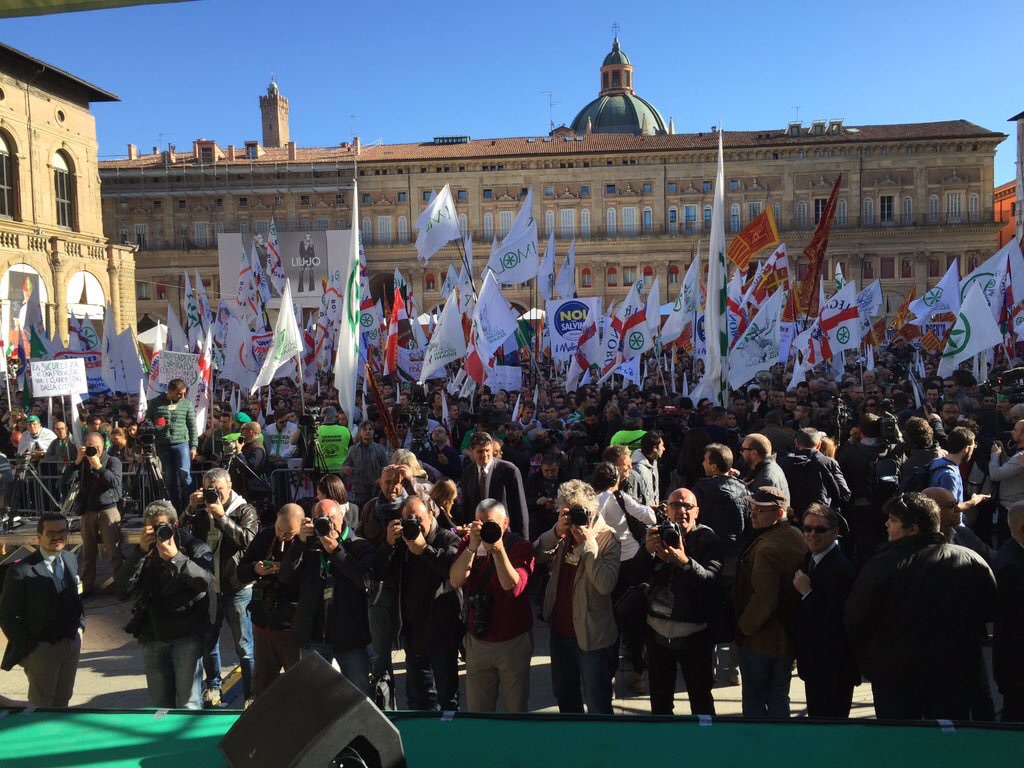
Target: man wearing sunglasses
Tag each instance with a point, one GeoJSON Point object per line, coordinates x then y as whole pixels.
{"type": "Point", "coordinates": [41, 615]}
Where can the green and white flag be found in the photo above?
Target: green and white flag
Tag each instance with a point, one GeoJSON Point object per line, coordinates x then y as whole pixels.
{"type": "Point", "coordinates": [286, 343]}
{"type": "Point", "coordinates": [974, 331]}
{"type": "Point", "coordinates": [759, 346]}
{"type": "Point", "coordinates": [944, 297]}
{"type": "Point", "coordinates": [448, 343]}
{"type": "Point", "coordinates": [346, 363]}
{"type": "Point", "coordinates": [436, 226]}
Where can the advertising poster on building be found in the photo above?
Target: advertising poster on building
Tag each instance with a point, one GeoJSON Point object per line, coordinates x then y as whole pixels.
{"type": "Point", "coordinates": [566, 318]}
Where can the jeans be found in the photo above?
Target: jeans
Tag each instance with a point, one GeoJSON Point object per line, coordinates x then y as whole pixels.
{"type": "Point", "coordinates": [232, 607]}
{"type": "Point", "coordinates": [432, 678]}
{"type": "Point", "coordinates": [765, 684]}
{"type": "Point", "coordinates": [177, 467]}
{"type": "Point", "coordinates": [174, 673]}
{"type": "Point", "coordinates": [571, 666]}
{"type": "Point", "coordinates": [354, 663]}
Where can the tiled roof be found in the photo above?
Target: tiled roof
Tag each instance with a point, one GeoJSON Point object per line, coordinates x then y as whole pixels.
{"type": "Point", "coordinates": [592, 144]}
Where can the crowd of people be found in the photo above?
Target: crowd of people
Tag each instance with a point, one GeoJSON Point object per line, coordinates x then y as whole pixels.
{"type": "Point", "coordinates": [864, 528]}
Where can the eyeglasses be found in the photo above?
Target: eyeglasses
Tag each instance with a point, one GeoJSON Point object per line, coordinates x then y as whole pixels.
{"type": "Point", "coordinates": [949, 386]}
{"type": "Point", "coordinates": [817, 529]}
{"type": "Point", "coordinates": [63, 534]}
{"type": "Point", "coordinates": [681, 505]}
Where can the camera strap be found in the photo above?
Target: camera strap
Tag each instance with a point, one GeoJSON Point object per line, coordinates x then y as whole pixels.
{"type": "Point", "coordinates": [636, 528]}
{"type": "Point", "coordinates": [485, 579]}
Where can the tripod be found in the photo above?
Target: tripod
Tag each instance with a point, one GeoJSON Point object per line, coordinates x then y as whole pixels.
{"type": "Point", "coordinates": [29, 491]}
{"type": "Point", "coordinates": [147, 483]}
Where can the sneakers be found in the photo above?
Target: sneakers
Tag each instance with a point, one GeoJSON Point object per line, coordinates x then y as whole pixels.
{"type": "Point", "coordinates": [211, 698]}
{"type": "Point", "coordinates": [247, 704]}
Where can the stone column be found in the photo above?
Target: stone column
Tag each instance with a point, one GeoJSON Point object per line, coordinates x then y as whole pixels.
{"type": "Point", "coordinates": [57, 309]}
{"type": "Point", "coordinates": [114, 288]}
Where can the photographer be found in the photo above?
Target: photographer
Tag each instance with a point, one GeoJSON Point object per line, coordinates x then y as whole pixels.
{"type": "Point", "coordinates": [177, 438]}
{"type": "Point", "coordinates": [493, 568]}
{"type": "Point", "coordinates": [227, 523]}
{"type": "Point", "coordinates": [584, 555]}
{"type": "Point", "coordinates": [685, 598]}
{"type": "Point", "coordinates": [99, 493]}
{"type": "Point", "coordinates": [413, 561]}
{"type": "Point", "coordinates": [170, 574]}
{"type": "Point", "coordinates": [329, 563]}
{"type": "Point", "coordinates": [273, 602]}
{"type": "Point", "coordinates": [248, 462]}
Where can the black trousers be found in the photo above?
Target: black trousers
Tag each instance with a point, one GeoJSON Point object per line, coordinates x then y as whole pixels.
{"type": "Point", "coordinates": [695, 656]}
{"type": "Point", "coordinates": [1013, 708]}
{"type": "Point", "coordinates": [828, 696]}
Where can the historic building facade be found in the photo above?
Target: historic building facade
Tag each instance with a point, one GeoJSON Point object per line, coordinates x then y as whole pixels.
{"type": "Point", "coordinates": [636, 196]}
{"type": "Point", "coordinates": [51, 229]}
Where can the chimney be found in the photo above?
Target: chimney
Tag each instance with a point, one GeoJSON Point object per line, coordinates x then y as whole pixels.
{"type": "Point", "coordinates": [356, 144]}
{"type": "Point", "coordinates": [133, 152]}
{"type": "Point", "coordinates": [291, 150]}
{"type": "Point", "coordinates": [156, 150]}
{"type": "Point", "coordinates": [231, 151]}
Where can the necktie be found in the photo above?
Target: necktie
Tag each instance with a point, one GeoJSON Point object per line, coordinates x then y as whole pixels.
{"type": "Point", "coordinates": [58, 572]}
{"type": "Point", "coordinates": [483, 483]}
{"type": "Point", "coordinates": [810, 565]}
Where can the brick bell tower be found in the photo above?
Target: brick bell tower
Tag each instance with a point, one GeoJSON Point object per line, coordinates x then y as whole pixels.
{"type": "Point", "coordinates": [274, 112]}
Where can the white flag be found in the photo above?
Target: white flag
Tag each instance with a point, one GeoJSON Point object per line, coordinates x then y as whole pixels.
{"type": "Point", "coordinates": [493, 318]}
{"type": "Point", "coordinates": [286, 343]}
{"type": "Point", "coordinates": [451, 280]}
{"type": "Point", "coordinates": [993, 276]}
{"type": "Point", "coordinates": [201, 390]}
{"type": "Point", "coordinates": [546, 274]}
{"type": "Point", "coordinates": [448, 343]}
{"type": "Point", "coordinates": [436, 226]}
{"type": "Point", "coordinates": [240, 365]}
{"type": "Point", "coordinates": [523, 219]}
{"type": "Point", "coordinates": [176, 340]}
{"type": "Point", "coordinates": [346, 362]}
{"type": "Point", "coordinates": [631, 323]}
{"type": "Point", "coordinates": [566, 283]}
{"type": "Point", "coordinates": [974, 331]}
{"type": "Point", "coordinates": [516, 260]}
{"type": "Point", "coordinates": [654, 307]}
{"type": "Point", "coordinates": [758, 348]}
{"type": "Point", "coordinates": [193, 323]}
{"type": "Point", "coordinates": [110, 353]}
{"type": "Point", "coordinates": [466, 295]}
{"type": "Point", "coordinates": [869, 302]}
{"type": "Point", "coordinates": [944, 297]}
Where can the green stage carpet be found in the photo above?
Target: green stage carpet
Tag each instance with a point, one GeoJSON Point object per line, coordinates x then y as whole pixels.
{"type": "Point", "coordinates": [84, 738]}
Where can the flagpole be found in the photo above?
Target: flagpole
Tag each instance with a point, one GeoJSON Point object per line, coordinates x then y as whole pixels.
{"type": "Point", "coordinates": [468, 266]}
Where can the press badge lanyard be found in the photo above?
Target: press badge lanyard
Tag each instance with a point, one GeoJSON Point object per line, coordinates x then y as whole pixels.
{"type": "Point", "coordinates": [325, 572]}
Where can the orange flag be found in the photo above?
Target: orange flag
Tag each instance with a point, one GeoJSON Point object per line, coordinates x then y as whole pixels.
{"type": "Point", "coordinates": [931, 342]}
{"type": "Point", "coordinates": [759, 233]}
{"type": "Point", "coordinates": [815, 250]}
{"type": "Point", "coordinates": [902, 313]}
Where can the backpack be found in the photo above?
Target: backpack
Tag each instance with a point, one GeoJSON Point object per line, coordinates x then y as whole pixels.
{"type": "Point", "coordinates": [916, 480]}
{"type": "Point", "coordinates": [884, 479]}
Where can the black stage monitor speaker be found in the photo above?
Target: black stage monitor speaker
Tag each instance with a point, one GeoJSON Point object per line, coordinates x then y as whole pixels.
{"type": "Point", "coordinates": [312, 717]}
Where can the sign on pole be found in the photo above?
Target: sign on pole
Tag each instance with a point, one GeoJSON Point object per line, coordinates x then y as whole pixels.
{"type": "Point", "coordinates": [56, 378]}
{"type": "Point", "coordinates": [178, 365]}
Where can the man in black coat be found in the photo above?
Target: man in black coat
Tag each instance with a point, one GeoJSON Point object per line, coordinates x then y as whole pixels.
{"type": "Point", "coordinates": [919, 606]}
{"type": "Point", "coordinates": [812, 476]}
{"type": "Point", "coordinates": [99, 493]}
{"type": "Point", "coordinates": [1008, 637]}
{"type": "Point", "coordinates": [41, 615]}
{"type": "Point", "coordinates": [488, 477]}
{"type": "Point", "coordinates": [823, 656]}
{"type": "Point", "coordinates": [330, 563]}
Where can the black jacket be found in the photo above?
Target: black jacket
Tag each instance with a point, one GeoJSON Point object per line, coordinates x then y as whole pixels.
{"type": "Point", "coordinates": [273, 602]}
{"type": "Point", "coordinates": [917, 610]}
{"type": "Point", "coordinates": [858, 465]}
{"type": "Point", "coordinates": [504, 485]}
{"type": "Point", "coordinates": [1008, 638]}
{"type": "Point", "coordinates": [99, 489]}
{"type": "Point", "coordinates": [692, 592]}
{"type": "Point", "coordinates": [346, 623]}
{"type": "Point", "coordinates": [430, 609]}
{"type": "Point", "coordinates": [822, 649]}
{"type": "Point", "coordinates": [813, 477]}
{"type": "Point", "coordinates": [723, 502]}
{"type": "Point", "coordinates": [171, 598]}
{"type": "Point", "coordinates": [31, 609]}
{"type": "Point", "coordinates": [237, 529]}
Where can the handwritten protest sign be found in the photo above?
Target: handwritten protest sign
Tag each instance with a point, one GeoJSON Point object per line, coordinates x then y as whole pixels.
{"type": "Point", "coordinates": [178, 365]}
{"type": "Point", "coordinates": [55, 378]}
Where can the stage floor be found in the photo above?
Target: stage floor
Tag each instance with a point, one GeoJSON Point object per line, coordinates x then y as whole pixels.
{"type": "Point", "coordinates": [83, 738]}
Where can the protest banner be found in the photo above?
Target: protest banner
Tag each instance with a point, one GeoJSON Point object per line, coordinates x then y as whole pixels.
{"type": "Point", "coordinates": [56, 378]}
{"type": "Point", "coordinates": [507, 377]}
{"type": "Point", "coordinates": [565, 321]}
{"type": "Point", "coordinates": [179, 365]}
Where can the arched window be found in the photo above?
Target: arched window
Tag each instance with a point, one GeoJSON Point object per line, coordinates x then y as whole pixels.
{"type": "Point", "coordinates": [64, 189]}
{"type": "Point", "coordinates": [673, 274]}
{"type": "Point", "coordinates": [734, 217]}
{"type": "Point", "coordinates": [488, 226]}
{"type": "Point", "coordinates": [933, 209]}
{"type": "Point", "coordinates": [707, 218]}
{"type": "Point", "coordinates": [403, 229]}
{"type": "Point", "coordinates": [429, 281]}
{"type": "Point", "coordinates": [648, 272]}
{"type": "Point", "coordinates": [868, 212]}
{"type": "Point", "coordinates": [366, 231]}
{"type": "Point", "coordinates": [549, 221]}
{"type": "Point", "coordinates": [841, 213]}
{"type": "Point", "coordinates": [648, 219]}
{"type": "Point", "coordinates": [801, 214]}
{"type": "Point", "coordinates": [7, 180]}
{"type": "Point", "coordinates": [613, 277]}
{"type": "Point", "coordinates": [585, 222]}
{"type": "Point", "coordinates": [908, 209]}
{"type": "Point", "coordinates": [586, 278]}
{"type": "Point", "coordinates": [972, 207]}
{"type": "Point", "coordinates": [610, 223]}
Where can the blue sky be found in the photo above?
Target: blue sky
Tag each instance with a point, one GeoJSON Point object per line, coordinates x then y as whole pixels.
{"type": "Point", "coordinates": [401, 71]}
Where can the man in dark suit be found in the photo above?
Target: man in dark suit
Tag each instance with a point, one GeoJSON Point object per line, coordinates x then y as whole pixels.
{"type": "Point", "coordinates": [1008, 636]}
{"type": "Point", "coordinates": [488, 477]}
{"type": "Point", "coordinates": [823, 656]}
{"type": "Point", "coordinates": [41, 615]}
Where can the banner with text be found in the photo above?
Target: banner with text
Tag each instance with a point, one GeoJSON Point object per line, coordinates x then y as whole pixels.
{"type": "Point", "coordinates": [55, 378]}
{"type": "Point", "coordinates": [566, 318]}
{"type": "Point", "coordinates": [178, 365]}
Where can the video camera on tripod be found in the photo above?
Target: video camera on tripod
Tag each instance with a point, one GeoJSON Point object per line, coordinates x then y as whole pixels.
{"type": "Point", "coordinates": [1009, 384]}
{"type": "Point", "coordinates": [145, 439]}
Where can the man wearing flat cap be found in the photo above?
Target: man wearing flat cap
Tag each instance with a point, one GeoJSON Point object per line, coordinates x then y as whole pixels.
{"type": "Point", "coordinates": [765, 604]}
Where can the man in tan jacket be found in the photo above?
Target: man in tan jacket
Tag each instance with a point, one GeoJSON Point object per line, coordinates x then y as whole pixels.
{"type": "Point", "coordinates": [584, 556]}
{"type": "Point", "coordinates": [765, 603]}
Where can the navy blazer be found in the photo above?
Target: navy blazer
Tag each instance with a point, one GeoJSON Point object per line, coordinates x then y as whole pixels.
{"type": "Point", "coordinates": [28, 602]}
{"type": "Point", "coordinates": [822, 648]}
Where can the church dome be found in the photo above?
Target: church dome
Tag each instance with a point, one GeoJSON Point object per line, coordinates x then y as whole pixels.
{"type": "Point", "coordinates": [617, 108]}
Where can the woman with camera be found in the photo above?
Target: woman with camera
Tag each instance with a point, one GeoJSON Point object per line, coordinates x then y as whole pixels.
{"type": "Point", "coordinates": [584, 554]}
{"type": "Point", "coordinates": [493, 569]}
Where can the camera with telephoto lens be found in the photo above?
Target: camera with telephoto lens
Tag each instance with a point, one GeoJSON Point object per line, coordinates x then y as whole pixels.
{"type": "Point", "coordinates": [490, 532]}
{"type": "Point", "coordinates": [579, 517]}
{"type": "Point", "coordinates": [670, 532]}
{"type": "Point", "coordinates": [410, 528]}
{"type": "Point", "coordinates": [481, 605]}
{"type": "Point", "coordinates": [91, 451]}
{"type": "Point", "coordinates": [210, 496]}
{"type": "Point", "coordinates": [164, 532]}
